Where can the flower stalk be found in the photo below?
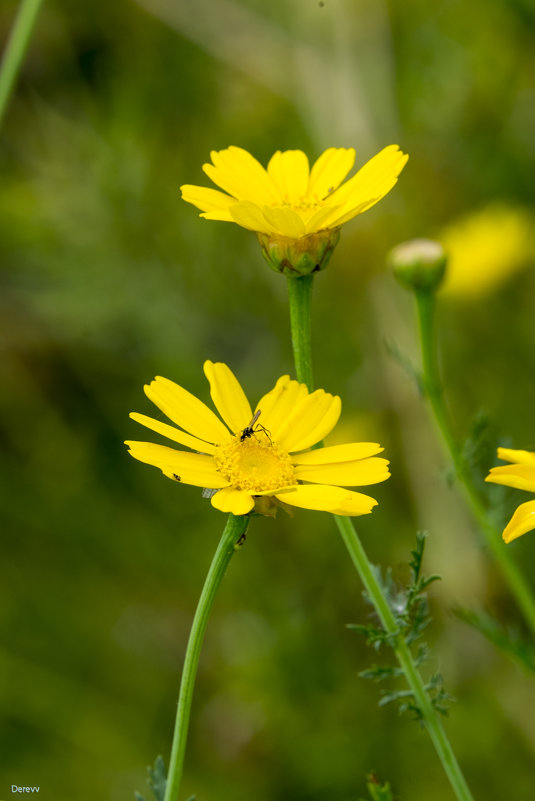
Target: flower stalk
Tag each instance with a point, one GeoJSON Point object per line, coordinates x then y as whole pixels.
{"type": "Point", "coordinates": [16, 49]}
{"type": "Point", "coordinates": [426, 304]}
{"type": "Point", "coordinates": [300, 319]}
{"type": "Point", "coordinates": [299, 296]}
{"type": "Point", "coordinates": [235, 529]}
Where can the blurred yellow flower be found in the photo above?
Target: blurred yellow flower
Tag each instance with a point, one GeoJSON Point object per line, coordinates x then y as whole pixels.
{"type": "Point", "coordinates": [290, 199]}
{"type": "Point", "coordinates": [485, 249]}
{"type": "Point", "coordinates": [261, 456]}
{"type": "Point", "coordinates": [521, 475]}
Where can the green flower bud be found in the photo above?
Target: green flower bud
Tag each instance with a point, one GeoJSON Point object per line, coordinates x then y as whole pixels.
{"type": "Point", "coordinates": [419, 264]}
{"type": "Point", "coordinates": [295, 257]}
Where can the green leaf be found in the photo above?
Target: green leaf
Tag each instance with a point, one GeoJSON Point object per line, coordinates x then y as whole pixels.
{"type": "Point", "coordinates": [157, 780]}
{"type": "Point", "coordinates": [509, 641]}
{"type": "Point", "coordinates": [381, 672]}
{"type": "Point", "coordinates": [410, 608]}
{"type": "Point", "coordinates": [378, 791]}
{"type": "Point", "coordinates": [374, 636]}
{"type": "Point", "coordinates": [404, 361]}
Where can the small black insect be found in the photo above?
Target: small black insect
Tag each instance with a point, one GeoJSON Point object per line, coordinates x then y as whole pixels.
{"type": "Point", "coordinates": [249, 430]}
{"type": "Point", "coordinates": [177, 478]}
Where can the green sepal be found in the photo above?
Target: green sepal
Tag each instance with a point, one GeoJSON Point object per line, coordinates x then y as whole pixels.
{"type": "Point", "coordinates": [303, 256]}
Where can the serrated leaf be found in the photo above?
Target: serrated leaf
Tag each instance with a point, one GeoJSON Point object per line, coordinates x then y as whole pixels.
{"type": "Point", "coordinates": [158, 778]}
{"type": "Point", "coordinates": [381, 672]}
{"type": "Point", "coordinates": [389, 696]}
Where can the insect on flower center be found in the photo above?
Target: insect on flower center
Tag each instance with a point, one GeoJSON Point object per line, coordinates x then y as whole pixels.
{"type": "Point", "coordinates": [255, 463]}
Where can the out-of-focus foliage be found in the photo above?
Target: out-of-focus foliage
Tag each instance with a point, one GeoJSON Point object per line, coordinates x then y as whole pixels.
{"type": "Point", "coordinates": [109, 279]}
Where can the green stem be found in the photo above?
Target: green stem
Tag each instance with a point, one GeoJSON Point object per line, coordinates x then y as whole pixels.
{"type": "Point", "coordinates": [405, 658]}
{"type": "Point", "coordinates": [301, 341]}
{"type": "Point", "coordinates": [16, 49]}
{"type": "Point", "coordinates": [299, 296]}
{"type": "Point", "coordinates": [425, 301]}
{"type": "Point", "coordinates": [235, 528]}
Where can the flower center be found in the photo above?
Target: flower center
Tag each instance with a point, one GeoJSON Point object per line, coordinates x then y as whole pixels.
{"type": "Point", "coordinates": [255, 464]}
{"type": "Point", "coordinates": [304, 203]}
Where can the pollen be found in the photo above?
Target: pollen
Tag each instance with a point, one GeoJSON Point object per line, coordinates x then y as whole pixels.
{"type": "Point", "coordinates": [255, 464]}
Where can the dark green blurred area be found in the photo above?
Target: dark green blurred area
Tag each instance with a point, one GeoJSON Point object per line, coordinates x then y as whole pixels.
{"type": "Point", "coordinates": [108, 279]}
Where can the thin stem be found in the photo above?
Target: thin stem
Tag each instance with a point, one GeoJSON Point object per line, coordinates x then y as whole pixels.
{"type": "Point", "coordinates": [16, 49]}
{"type": "Point", "coordinates": [235, 528]}
{"type": "Point", "coordinates": [299, 296]}
{"type": "Point", "coordinates": [425, 301]}
{"type": "Point", "coordinates": [301, 341]}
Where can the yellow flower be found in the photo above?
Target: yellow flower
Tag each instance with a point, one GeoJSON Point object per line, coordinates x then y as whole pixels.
{"type": "Point", "coordinates": [251, 459]}
{"type": "Point", "coordinates": [485, 249]}
{"type": "Point", "coordinates": [295, 211]}
{"type": "Point", "coordinates": [521, 475]}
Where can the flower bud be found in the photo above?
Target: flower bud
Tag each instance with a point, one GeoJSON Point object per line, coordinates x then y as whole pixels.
{"type": "Point", "coordinates": [419, 264]}
{"type": "Point", "coordinates": [295, 257]}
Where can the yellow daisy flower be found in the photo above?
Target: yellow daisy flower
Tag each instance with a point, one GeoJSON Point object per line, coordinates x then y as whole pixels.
{"type": "Point", "coordinates": [295, 211]}
{"type": "Point", "coordinates": [521, 475]}
{"type": "Point", "coordinates": [486, 249]}
{"type": "Point", "coordinates": [252, 458]}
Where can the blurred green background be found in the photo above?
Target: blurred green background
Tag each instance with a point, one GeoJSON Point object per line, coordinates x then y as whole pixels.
{"type": "Point", "coordinates": [108, 279]}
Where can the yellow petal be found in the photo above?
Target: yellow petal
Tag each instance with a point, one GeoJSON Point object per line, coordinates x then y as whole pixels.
{"type": "Point", "coordinates": [324, 217]}
{"type": "Point", "coordinates": [228, 396]}
{"type": "Point", "coordinates": [348, 452]}
{"type": "Point", "coordinates": [521, 457]}
{"type": "Point", "coordinates": [357, 504]}
{"type": "Point", "coordinates": [289, 171]}
{"type": "Point", "coordinates": [250, 216]}
{"type": "Point", "coordinates": [328, 499]}
{"type": "Point", "coordinates": [279, 405]}
{"type": "Point", "coordinates": [374, 180]}
{"type": "Point", "coordinates": [271, 399]}
{"type": "Point", "coordinates": [520, 476]}
{"type": "Point", "coordinates": [186, 410]}
{"type": "Point", "coordinates": [284, 221]}
{"type": "Point", "coordinates": [342, 214]}
{"type": "Point", "coordinates": [236, 502]}
{"type": "Point", "coordinates": [241, 175]}
{"type": "Point", "coordinates": [173, 433]}
{"type": "Point", "coordinates": [310, 421]}
{"type": "Point", "coordinates": [346, 474]}
{"type": "Point", "coordinates": [329, 171]}
{"type": "Point", "coordinates": [215, 204]}
{"type": "Point", "coordinates": [521, 522]}
{"type": "Point", "coordinates": [189, 468]}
